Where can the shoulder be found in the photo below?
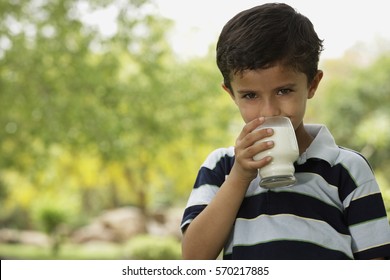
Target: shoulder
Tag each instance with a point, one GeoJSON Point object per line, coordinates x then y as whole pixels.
{"type": "Point", "coordinates": [356, 164]}
{"type": "Point", "coordinates": [347, 154]}
{"type": "Point", "coordinates": [219, 156]}
{"type": "Point", "coordinates": [357, 179]}
{"type": "Point", "coordinates": [324, 147]}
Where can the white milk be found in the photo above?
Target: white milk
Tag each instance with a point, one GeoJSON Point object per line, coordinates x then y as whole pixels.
{"type": "Point", "coordinates": [284, 153]}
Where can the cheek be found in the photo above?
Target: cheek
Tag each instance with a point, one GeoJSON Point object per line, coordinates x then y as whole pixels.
{"type": "Point", "coordinates": [248, 114]}
{"type": "Point", "coordinates": [298, 114]}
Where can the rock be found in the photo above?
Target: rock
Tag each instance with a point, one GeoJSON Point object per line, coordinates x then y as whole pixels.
{"type": "Point", "coordinates": [34, 238]}
{"type": "Point", "coordinates": [166, 223]}
{"type": "Point", "coordinates": [93, 232]}
{"type": "Point", "coordinates": [24, 237]}
{"type": "Point", "coordinates": [112, 226]}
{"type": "Point", "coordinates": [174, 217]}
{"type": "Point", "coordinates": [125, 222]}
{"type": "Point", "coordinates": [9, 235]}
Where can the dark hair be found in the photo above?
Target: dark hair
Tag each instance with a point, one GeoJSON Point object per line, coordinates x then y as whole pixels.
{"type": "Point", "coordinates": [265, 35]}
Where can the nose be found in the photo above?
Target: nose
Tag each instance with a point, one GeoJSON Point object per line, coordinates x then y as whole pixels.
{"type": "Point", "coordinates": [270, 107]}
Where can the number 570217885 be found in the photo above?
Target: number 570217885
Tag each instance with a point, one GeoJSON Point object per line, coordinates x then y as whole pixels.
{"type": "Point", "coordinates": [245, 270]}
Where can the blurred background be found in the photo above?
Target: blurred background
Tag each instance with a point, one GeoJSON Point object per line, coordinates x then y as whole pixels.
{"type": "Point", "coordinates": [108, 108]}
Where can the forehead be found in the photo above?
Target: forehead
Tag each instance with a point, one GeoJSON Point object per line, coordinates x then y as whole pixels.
{"type": "Point", "coordinates": [274, 75]}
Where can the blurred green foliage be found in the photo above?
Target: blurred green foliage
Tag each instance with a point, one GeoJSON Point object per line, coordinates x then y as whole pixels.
{"type": "Point", "coordinates": [142, 247]}
{"type": "Point", "coordinates": [354, 102]}
{"type": "Point", "coordinates": [91, 121]}
{"type": "Point", "coordinates": [51, 219]}
{"type": "Point", "coordinates": [147, 247]}
{"type": "Point", "coordinates": [103, 251]}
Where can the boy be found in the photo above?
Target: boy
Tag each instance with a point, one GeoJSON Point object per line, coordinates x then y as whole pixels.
{"type": "Point", "coordinates": [268, 56]}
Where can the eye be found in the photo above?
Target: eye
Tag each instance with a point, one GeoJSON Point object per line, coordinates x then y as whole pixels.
{"type": "Point", "coordinates": [249, 95]}
{"type": "Point", "coordinates": [284, 91]}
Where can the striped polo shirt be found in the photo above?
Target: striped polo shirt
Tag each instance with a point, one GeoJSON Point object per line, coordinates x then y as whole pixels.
{"type": "Point", "coordinates": [334, 211]}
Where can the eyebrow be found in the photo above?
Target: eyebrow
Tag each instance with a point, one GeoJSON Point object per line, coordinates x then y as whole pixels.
{"type": "Point", "coordinates": [245, 91]}
{"type": "Point", "coordinates": [288, 85]}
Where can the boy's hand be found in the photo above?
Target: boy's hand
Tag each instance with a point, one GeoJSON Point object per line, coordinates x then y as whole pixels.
{"type": "Point", "coordinates": [245, 167]}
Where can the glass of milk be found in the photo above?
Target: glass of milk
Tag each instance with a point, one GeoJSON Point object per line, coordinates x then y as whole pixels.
{"type": "Point", "coordinates": [280, 171]}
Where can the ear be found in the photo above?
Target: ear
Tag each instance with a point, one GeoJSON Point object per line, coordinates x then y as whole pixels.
{"type": "Point", "coordinates": [229, 91]}
{"type": "Point", "coordinates": [314, 84]}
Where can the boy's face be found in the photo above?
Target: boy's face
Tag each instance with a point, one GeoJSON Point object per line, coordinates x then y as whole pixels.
{"type": "Point", "coordinates": [275, 91]}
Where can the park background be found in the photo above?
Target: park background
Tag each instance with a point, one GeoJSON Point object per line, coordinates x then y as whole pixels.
{"type": "Point", "coordinates": [102, 131]}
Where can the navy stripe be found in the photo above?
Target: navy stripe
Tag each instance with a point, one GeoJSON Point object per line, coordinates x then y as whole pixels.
{"type": "Point", "coordinates": [285, 250]}
{"type": "Point", "coordinates": [273, 203]}
{"type": "Point", "coordinates": [334, 175]}
{"type": "Point", "coordinates": [215, 176]}
{"type": "Point", "coordinates": [207, 176]}
{"type": "Point", "coordinates": [365, 209]}
{"type": "Point", "coordinates": [192, 211]}
{"type": "Point", "coordinates": [377, 252]}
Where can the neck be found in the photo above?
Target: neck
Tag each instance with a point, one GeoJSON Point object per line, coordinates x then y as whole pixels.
{"type": "Point", "coordinates": [304, 139]}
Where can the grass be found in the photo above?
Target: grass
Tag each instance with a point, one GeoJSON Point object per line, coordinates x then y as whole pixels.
{"type": "Point", "coordinates": [96, 251]}
{"type": "Point", "coordinates": [145, 247]}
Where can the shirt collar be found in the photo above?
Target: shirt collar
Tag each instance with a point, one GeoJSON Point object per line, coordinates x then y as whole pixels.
{"type": "Point", "coordinates": [323, 146]}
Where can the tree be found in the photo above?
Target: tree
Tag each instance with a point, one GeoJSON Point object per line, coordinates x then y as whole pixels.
{"type": "Point", "coordinates": [105, 117]}
{"type": "Point", "coordinates": [354, 102]}
{"type": "Point", "coordinates": [359, 102]}
{"type": "Point", "coordinates": [68, 89]}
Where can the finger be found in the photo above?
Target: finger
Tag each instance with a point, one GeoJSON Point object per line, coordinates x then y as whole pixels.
{"type": "Point", "coordinates": [258, 164]}
{"type": "Point", "coordinates": [251, 126]}
{"type": "Point", "coordinates": [254, 152]}
{"type": "Point", "coordinates": [255, 136]}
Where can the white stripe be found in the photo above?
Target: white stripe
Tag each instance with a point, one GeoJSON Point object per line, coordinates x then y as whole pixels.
{"type": "Point", "coordinates": [216, 156]}
{"type": "Point", "coordinates": [308, 184]}
{"type": "Point", "coordinates": [362, 191]}
{"type": "Point", "coordinates": [267, 228]}
{"type": "Point", "coordinates": [370, 234]}
{"type": "Point", "coordinates": [314, 185]}
{"type": "Point", "coordinates": [202, 195]}
{"type": "Point", "coordinates": [356, 166]}
{"type": "Point", "coordinates": [187, 222]}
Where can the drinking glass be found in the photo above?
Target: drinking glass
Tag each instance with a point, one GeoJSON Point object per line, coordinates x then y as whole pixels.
{"type": "Point", "coordinates": [280, 171]}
